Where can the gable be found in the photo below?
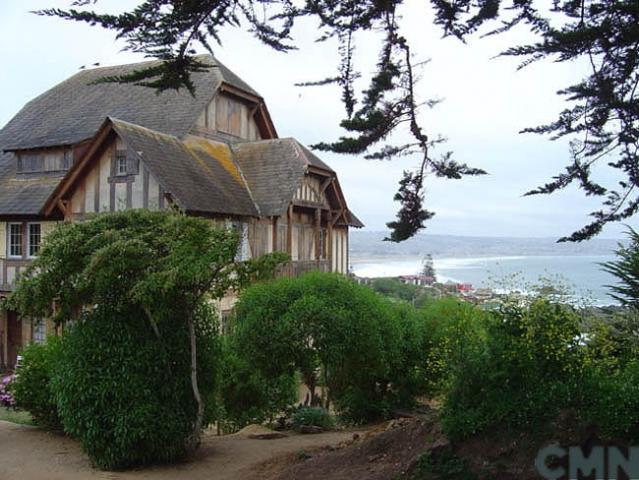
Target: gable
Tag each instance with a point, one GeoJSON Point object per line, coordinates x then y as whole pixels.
{"type": "Point", "coordinates": [102, 188]}
{"type": "Point", "coordinates": [310, 192]}
{"type": "Point", "coordinates": [197, 174]}
{"type": "Point", "coordinates": [227, 115]}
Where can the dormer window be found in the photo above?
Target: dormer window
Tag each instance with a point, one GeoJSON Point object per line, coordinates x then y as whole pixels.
{"type": "Point", "coordinates": [44, 161]}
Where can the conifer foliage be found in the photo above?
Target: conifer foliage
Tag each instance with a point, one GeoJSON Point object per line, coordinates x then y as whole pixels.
{"type": "Point", "coordinates": [600, 119]}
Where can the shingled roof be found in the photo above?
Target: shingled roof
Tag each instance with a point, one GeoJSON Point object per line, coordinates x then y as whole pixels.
{"type": "Point", "coordinates": [198, 173]}
{"type": "Point", "coordinates": [202, 174]}
{"type": "Point", "coordinates": [73, 110]}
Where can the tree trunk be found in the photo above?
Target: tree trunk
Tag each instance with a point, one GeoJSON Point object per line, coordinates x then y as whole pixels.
{"type": "Point", "coordinates": [199, 420]}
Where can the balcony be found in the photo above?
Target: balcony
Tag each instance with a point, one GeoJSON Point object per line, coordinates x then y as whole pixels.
{"type": "Point", "coordinates": [299, 267]}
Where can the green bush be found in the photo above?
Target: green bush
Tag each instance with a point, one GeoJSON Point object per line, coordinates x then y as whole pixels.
{"type": "Point", "coordinates": [529, 368]}
{"type": "Point", "coordinates": [32, 386]}
{"type": "Point", "coordinates": [125, 393]}
{"type": "Point", "coordinates": [336, 334]}
{"type": "Point", "coordinates": [247, 396]}
{"type": "Point", "coordinates": [312, 417]}
{"type": "Point", "coordinates": [449, 333]}
{"type": "Point", "coordinates": [611, 402]}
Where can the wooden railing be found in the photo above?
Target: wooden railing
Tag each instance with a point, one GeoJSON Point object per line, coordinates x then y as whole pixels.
{"type": "Point", "coordinates": [299, 267]}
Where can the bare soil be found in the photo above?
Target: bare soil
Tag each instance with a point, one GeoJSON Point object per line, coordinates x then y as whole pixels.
{"type": "Point", "coordinates": [386, 452]}
{"type": "Point", "coordinates": [379, 452]}
{"type": "Point", "coordinates": [28, 453]}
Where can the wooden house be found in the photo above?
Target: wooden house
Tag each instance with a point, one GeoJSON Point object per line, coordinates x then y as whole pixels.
{"type": "Point", "coordinates": [84, 147]}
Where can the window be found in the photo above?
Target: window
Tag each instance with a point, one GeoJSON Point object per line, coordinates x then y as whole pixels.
{"type": "Point", "coordinates": [35, 235]}
{"type": "Point", "coordinates": [46, 160]}
{"type": "Point", "coordinates": [15, 240]}
{"type": "Point", "coordinates": [322, 243]}
{"type": "Point", "coordinates": [121, 163]}
{"type": "Point", "coordinates": [38, 330]}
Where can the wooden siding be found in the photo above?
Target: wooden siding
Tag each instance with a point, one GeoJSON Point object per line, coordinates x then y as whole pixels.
{"type": "Point", "coordinates": [3, 240]}
{"type": "Point", "coordinates": [228, 115]}
{"type": "Point", "coordinates": [310, 192]}
{"type": "Point", "coordinates": [44, 160]}
{"type": "Point", "coordinates": [102, 191]}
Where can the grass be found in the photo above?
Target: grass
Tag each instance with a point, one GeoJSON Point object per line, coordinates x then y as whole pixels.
{"type": "Point", "coordinates": [13, 416]}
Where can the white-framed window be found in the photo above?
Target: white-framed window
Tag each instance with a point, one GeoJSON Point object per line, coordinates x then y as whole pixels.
{"type": "Point", "coordinates": [14, 243]}
{"type": "Point", "coordinates": [35, 237]}
{"type": "Point", "coordinates": [38, 330]}
{"type": "Point", "coordinates": [121, 167]}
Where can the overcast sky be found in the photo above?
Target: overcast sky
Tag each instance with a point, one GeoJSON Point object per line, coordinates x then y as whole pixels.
{"type": "Point", "coordinates": [485, 103]}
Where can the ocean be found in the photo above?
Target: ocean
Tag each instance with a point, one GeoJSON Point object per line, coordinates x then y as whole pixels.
{"type": "Point", "coordinates": [581, 275]}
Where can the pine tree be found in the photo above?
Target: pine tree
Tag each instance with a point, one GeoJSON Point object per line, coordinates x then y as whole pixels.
{"type": "Point", "coordinates": [428, 266]}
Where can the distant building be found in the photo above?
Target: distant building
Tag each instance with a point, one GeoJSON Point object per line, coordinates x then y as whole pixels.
{"type": "Point", "coordinates": [420, 280]}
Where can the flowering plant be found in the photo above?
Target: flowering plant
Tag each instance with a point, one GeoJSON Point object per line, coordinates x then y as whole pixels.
{"type": "Point", "coordinates": [6, 397]}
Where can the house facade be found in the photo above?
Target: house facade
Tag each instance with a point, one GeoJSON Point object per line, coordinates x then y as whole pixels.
{"type": "Point", "coordinates": [84, 148]}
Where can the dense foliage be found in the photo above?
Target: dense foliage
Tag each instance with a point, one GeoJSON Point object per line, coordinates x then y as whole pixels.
{"type": "Point", "coordinates": [337, 334]}
{"type": "Point", "coordinates": [248, 396]}
{"type": "Point", "coordinates": [527, 369]}
{"type": "Point", "coordinates": [149, 277]}
{"type": "Point", "coordinates": [450, 332]}
{"type": "Point", "coordinates": [32, 388]}
{"type": "Point", "coordinates": [601, 119]}
{"type": "Point", "coordinates": [127, 396]}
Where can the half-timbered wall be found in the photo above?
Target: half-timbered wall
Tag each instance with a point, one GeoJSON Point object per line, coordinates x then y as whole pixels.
{"type": "Point", "coordinates": [102, 189]}
{"type": "Point", "coordinates": [231, 116]}
{"type": "Point", "coordinates": [310, 191]}
{"type": "Point", "coordinates": [10, 268]}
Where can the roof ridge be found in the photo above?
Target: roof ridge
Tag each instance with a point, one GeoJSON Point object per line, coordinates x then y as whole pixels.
{"type": "Point", "coordinates": [155, 60]}
{"type": "Point", "coordinates": [141, 127]}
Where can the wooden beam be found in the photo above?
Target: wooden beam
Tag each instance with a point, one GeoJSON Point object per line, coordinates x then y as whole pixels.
{"type": "Point", "coordinates": [318, 219]}
{"type": "Point", "coordinates": [274, 235]}
{"type": "Point", "coordinates": [63, 207]}
{"type": "Point", "coordinates": [326, 183]}
{"type": "Point", "coordinates": [329, 243]}
{"type": "Point", "coordinates": [289, 235]}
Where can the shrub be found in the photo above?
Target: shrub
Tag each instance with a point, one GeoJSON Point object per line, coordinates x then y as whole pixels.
{"type": "Point", "coordinates": [312, 417]}
{"type": "Point", "coordinates": [611, 402]}
{"type": "Point", "coordinates": [529, 368]}
{"type": "Point", "coordinates": [6, 395]}
{"type": "Point", "coordinates": [125, 393]}
{"type": "Point", "coordinates": [247, 396]}
{"type": "Point", "coordinates": [32, 387]}
{"type": "Point", "coordinates": [335, 333]}
{"type": "Point", "coordinates": [449, 333]}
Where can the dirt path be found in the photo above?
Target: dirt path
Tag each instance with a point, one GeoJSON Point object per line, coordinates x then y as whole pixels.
{"type": "Point", "coordinates": [28, 453]}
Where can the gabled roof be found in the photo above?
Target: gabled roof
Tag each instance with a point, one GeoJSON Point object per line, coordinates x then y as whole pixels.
{"type": "Point", "coordinates": [273, 170]}
{"type": "Point", "coordinates": [73, 110]}
{"type": "Point", "coordinates": [206, 176]}
{"type": "Point", "coordinates": [199, 174]}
